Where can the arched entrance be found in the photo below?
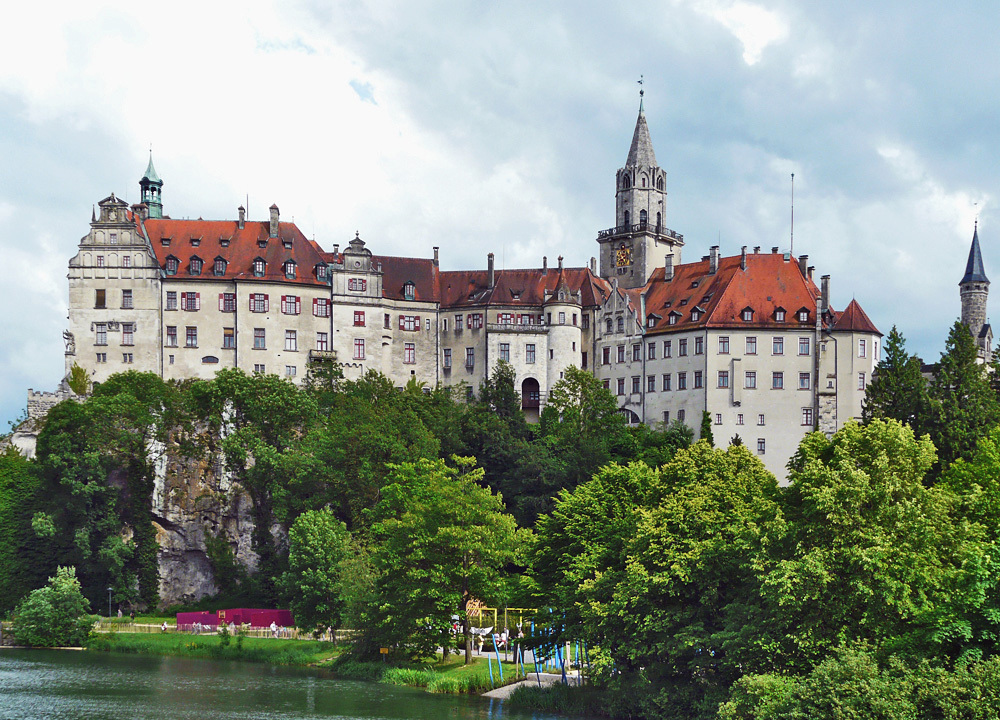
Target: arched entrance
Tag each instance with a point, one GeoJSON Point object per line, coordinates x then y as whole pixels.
{"type": "Point", "coordinates": [531, 399]}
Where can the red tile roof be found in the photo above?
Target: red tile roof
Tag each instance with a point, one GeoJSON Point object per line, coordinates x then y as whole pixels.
{"type": "Point", "coordinates": [854, 319]}
{"type": "Point", "coordinates": [211, 239]}
{"type": "Point", "coordinates": [470, 288]}
{"type": "Point", "coordinates": [397, 271]}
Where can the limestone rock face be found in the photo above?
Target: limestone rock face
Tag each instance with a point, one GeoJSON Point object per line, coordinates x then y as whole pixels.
{"type": "Point", "coordinates": [194, 500]}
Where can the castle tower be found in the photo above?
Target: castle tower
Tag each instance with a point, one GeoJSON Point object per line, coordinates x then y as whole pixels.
{"type": "Point", "coordinates": [974, 290]}
{"type": "Point", "coordinates": [151, 187]}
{"type": "Point", "coordinates": [640, 240]}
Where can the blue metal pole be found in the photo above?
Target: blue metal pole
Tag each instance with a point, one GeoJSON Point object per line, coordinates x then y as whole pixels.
{"type": "Point", "coordinates": [489, 661]}
{"type": "Point", "coordinates": [497, 651]}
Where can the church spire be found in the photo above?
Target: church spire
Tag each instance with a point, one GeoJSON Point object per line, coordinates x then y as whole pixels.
{"type": "Point", "coordinates": [151, 187]}
{"type": "Point", "coordinates": [974, 290]}
{"type": "Point", "coordinates": [641, 152]}
{"type": "Point", "coordinates": [974, 270]}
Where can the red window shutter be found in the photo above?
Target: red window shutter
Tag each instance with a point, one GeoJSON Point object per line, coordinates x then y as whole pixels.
{"type": "Point", "coordinates": [402, 322]}
{"type": "Point", "coordinates": [298, 304]}
{"type": "Point", "coordinates": [316, 307]}
{"type": "Point", "coordinates": [197, 301]}
{"type": "Point", "coordinates": [251, 302]}
{"type": "Point", "coordinates": [267, 303]}
{"type": "Point", "coordinates": [221, 302]}
{"type": "Point", "coordinates": [416, 322]}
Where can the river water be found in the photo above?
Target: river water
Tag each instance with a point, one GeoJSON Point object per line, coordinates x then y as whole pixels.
{"type": "Point", "coordinates": [65, 685]}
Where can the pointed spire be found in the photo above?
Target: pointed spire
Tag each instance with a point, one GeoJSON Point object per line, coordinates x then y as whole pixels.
{"type": "Point", "coordinates": [641, 152]}
{"type": "Point", "coordinates": [93, 214]}
{"type": "Point", "coordinates": [151, 171]}
{"type": "Point", "coordinates": [974, 270]}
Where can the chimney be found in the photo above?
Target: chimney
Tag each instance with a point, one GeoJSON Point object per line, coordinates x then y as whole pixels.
{"type": "Point", "coordinates": [545, 265]}
{"type": "Point", "coordinates": [774, 250]}
{"type": "Point", "coordinates": [336, 248]}
{"type": "Point", "coordinates": [809, 270]}
{"type": "Point", "coordinates": [435, 256]}
{"type": "Point", "coordinates": [593, 265]}
{"type": "Point", "coordinates": [274, 221]}
{"type": "Point", "coordinates": [668, 267]}
{"type": "Point", "coordinates": [756, 249]}
{"type": "Point", "coordinates": [713, 260]}
{"type": "Point", "coordinates": [803, 263]}
{"type": "Point", "coordinates": [824, 284]}
{"type": "Point", "coordinates": [560, 263]}
{"type": "Point", "coordinates": [743, 258]}
{"type": "Point", "coordinates": [243, 216]}
{"type": "Point", "coordinates": [492, 272]}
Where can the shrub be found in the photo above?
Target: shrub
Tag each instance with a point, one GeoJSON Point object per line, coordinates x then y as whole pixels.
{"type": "Point", "coordinates": [55, 615]}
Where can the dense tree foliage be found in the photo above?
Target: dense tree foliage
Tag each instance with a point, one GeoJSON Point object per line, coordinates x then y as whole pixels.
{"type": "Point", "coordinates": [898, 390]}
{"type": "Point", "coordinates": [54, 615]}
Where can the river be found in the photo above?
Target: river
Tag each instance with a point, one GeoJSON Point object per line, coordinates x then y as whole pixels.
{"type": "Point", "coordinates": [66, 685]}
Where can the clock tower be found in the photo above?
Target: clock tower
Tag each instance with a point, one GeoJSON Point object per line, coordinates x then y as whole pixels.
{"type": "Point", "coordinates": [639, 241]}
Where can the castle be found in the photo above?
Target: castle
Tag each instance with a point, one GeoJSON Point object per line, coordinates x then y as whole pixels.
{"type": "Point", "coordinates": [749, 338]}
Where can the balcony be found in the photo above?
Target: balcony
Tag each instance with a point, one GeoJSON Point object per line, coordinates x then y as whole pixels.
{"type": "Point", "coordinates": [641, 228]}
{"type": "Point", "coordinates": [322, 355]}
{"type": "Point", "coordinates": [516, 328]}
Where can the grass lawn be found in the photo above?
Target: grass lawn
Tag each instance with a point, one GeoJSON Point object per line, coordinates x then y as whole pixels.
{"type": "Point", "coordinates": [263, 650]}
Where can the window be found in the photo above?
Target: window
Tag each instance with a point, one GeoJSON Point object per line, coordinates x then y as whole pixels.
{"type": "Point", "coordinates": [191, 301]}
{"type": "Point", "coordinates": [574, 318]}
{"type": "Point", "coordinates": [807, 416]}
{"type": "Point", "coordinates": [102, 357]}
{"type": "Point", "coordinates": [605, 356]}
{"type": "Point", "coordinates": [804, 381]}
{"type": "Point", "coordinates": [228, 338]}
{"type": "Point", "coordinates": [621, 353]}
{"type": "Point", "coordinates": [723, 378]}
{"type": "Point", "coordinates": [777, 346]}
{"type": "Point", "coordinates": [621, 325]}
{"type": "Point", "coordinates": [227, 302]}
{"type": "Point", "coordinates": [651, 383]}
{"type": "Point", "coordinates": [259, 368]}
{"type": "Point", "coordinates": [505, 318]}
{"type": "Point", "coordinates": [258, 267]}
{"type": "Point", "coordinates": [861, 381]}
{"type": "Point", "coordinates": [751, 346]}
{"type": "Point", "coordinates": [875, 350]}
{"type": "Point", "coordinates": [739, 419]}
{"type": "Point", "coordinates": [666, 382]}
{"type": "Point", "coordinates": [290, 268]}
{"type": "Point", "coordinates": [699, 346]}
{"type": "Point", "coordinates": [291, 340]}
{"type": "Point", "coordinates": [750, 380]}
{"type": "Point", "coordinates": [718, 418]}
{"type": "Point", "coordinates": [475, 321]}
{"type": "Point", "coordinates": [259, 339]}
{"type": "Point", "coordinates": [409, 322]}
{"type": "Point", "coordinates": [291, 304]}
{"type": "Point", "coordinates": [386, 321]}
{"type": "Point", "coordinates": [681, 415]}
{"type": "Point", "coordinates": [322, 341]}
{"type": "Point", "coordinates": [191, 337]}
{"type": "Point", "coordinates": [219, 267]}
{"type": "Point", "coordinates": [804, 346]}
{"type": "Point", "coordinates": [672, 318]}
{"type": "Point", "coordinates": [128, 334]}
{"type": "Point", "coordinates": [409, 353]}
{"type": "Point", "coordinates": [359, 348]}
{"type": "Point", "coordinates": [171, 340]}
{"type": "Point", "coordinates": [359, 318]}
{"type": "Point", "coordinates": [409, 291]}
{"type": "Point", "coordinates": [695, 315]}
{"type": "Point", "coordinates": [113, 237]}
{"type": "Point", "coordinates": [724, 345]}
{"type": "Point", "coordinates": [585, 322]}
{"type": "Point", "coordinates": [458, 323]}
{"type": "Point", "coordinates": [505, 352]}
{"type": "Point", "coordinates": [357, 284]}
{"type": "Point", "coordinates": [195, 266]}
{"type": "Point", "coordinates": [583, 360]}
{"type": "Point", "coordinates": [171, 299]}
{"type": "Point", "coordinates": [100, 299]}
{"type": "Point", "coordinates": [321, 272]}
{"type": "Point", "coordinates": [290, 371]}
{"type": "Point", "coordinates": [803, 316]}
{"type": "Point", "coordinates": [651, 351]}
{"type": "Point", "coordinates": [777, 381]}
{"type": "Point", "coordinates": [862, 349]}
{"type": "Point", "coordinates": [447, 358]}
{"type": "Point", "coordinates": [127, 358]}
{"type": "Point", "coordinates": [322, 307]}
{"type": "Point", "coordinates": [126, 299]}
{"type": "Point", "coordinates": [635, 384]}
{"type": "Point", "coordinates": [760, 419]}
{"type": "Point", "coordinates": [760, 446]}
{"type": "Point", "coordinates": [171, 359]}
{"type": "Point", "coordinates": [779, 315]}
{"type": "Point", "coordinates": [747, 315]}
{"type": "Point", "coordinates": [636, 353]}
{"type": "Point", "coordinates": [698, 379]}
{"type": "Point", "coordinates": [562, 318]}
{"type": "Point", "coordinates": [100, 261]}
{"type": "Point", "coordinates": [444, 325]}
{"type": "Point", "coordinates": [470, 357]}
{"type": "Point", "coordinates": [682, 347]}
{"type": "Point", "coordinates": [126, 261]}
{"type": "Point", "coordinates": [172, 265]}
{"type": "Point", "coordinates": [258, 302]}
{"type": "Point", "coordinates": [608, 325]}
{"type": "Point", "coordinates": [682, 381]}
{"type": "Point", "coordinates": [102, 334]}
{"type": "Point", "coordinates": [621, 386]}
{"type": "Point", "coordinates": [666, 348]}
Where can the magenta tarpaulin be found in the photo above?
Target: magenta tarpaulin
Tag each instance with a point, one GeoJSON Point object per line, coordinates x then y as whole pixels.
{"type": "Point", "coordinates": [253, 617]}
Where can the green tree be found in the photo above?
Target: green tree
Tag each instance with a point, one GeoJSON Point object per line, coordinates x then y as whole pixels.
{"type": "Point", "coordinates": [898, 390]}
{"type": "Point", "coordinates": [439, 540]}
{"type": "Point", "coordinates": [54, 615]}
{"type": "Point", "coordinates": [964, 404]}
{"type": "Point", "coordinates": [20, 554]}
{"type": "Point", "coordinates": [706, 428]}
{"type": "Point", "coordinates": [318, 544]}
{"type": "Point", "coordinates": [78, 380]}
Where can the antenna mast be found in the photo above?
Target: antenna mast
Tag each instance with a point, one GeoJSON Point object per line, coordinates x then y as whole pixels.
{"type": "Point", "coordinates": [791, 240]}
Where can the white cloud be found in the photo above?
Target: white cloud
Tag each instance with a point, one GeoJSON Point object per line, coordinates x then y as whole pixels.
{"type": "Point", "coordinates": [754, 26]}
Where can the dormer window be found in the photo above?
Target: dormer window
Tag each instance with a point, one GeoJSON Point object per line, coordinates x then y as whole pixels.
{"type": "Point", "coordinates": [289, 267]}
{"type": "Point", "coordinates": [224, 241]}
{"type": "Point", "coordinates": [651, 320]}
{"type": "Point", "coordinates": [195, 266]}
{"type": "Point", "coordinates": [287, 243]}
{"type": "Point", "coordinates": [673, 317]}
{"type": "Point", "coordinates": [694, 284]}
{"type": "Point", "coordinates": [409, 290]}
{"type": "Point", "coordinates": [779, 315]}
{"type": "Point", "coordinates": [746, 315]}
{"type": "Point", "coordinates": [172, 265]}
{"type": "Point", "coordinates": [696, 315]}
{"type": "Point", "coordinates": [258, 267]}
{"type": "Point", "coordinates": [219, 267]}
{"type": "Point", "coordinates": [195, 241]}
{"type": "Point", "coordinates": [321, 271]}
{"type": "Point", "coordinates": [683, 302]}
{"type": "Point", "coordinates": [803, 315]}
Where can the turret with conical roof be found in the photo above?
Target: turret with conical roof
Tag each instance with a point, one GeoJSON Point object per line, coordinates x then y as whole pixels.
{"type": "Point", "coordinates": [151, 188]}
{"type": "Point", "coordinates": [638, 243]}
{"type": "Point", "coordinates": [974, 290]}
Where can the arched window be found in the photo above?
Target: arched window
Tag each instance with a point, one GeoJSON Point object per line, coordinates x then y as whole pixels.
{"type": "Point", "coordinates": [642, 217]}
{"type": "Point", "coordinates": [626, 218]}
{"type": "Point", "coordinates": [621, 325]}
{"type": "Point", "coordinates": [644, 181]}
{"type": "Point", "coordinates": [659, 183]}
{"type": "Point", "coordinates": [609, 324]}
{"type": "Point", "coordinates": [626, 181]}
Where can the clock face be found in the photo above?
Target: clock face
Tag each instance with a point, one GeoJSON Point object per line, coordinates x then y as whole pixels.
{"type": "Point", "coordinates": [623, 256]}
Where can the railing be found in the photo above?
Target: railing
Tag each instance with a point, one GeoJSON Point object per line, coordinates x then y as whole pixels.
{"type": "Point", "coordinates": [645, 227]}
{"type": "Point", "coordinates": [322, 354]}
{"type": "Point", "coordinates": [517, 328]}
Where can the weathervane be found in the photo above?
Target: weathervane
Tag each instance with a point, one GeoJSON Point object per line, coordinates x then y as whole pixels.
{"type": "Point", "coordinates": [640, 86]}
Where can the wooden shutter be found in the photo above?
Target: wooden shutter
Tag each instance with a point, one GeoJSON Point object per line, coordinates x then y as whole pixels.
{"type": "Point", "coordinates": [222, 302]}
{"type": "Point", "coordinates": [402, 323]}
{"type": "Point", "coordinates": [416, 322]}
{"type": "Point", "coordinates": [267, 303]}
{"type": "Point", "coordinates": [197, 301]}
{"type": "Point", "coordinates": [298, 304]}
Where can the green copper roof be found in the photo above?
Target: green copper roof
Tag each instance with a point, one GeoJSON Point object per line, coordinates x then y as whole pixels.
{"type": "Point", "coordinates": [151, 172]}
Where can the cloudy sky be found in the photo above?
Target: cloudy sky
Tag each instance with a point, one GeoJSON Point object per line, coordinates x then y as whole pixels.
{"type": "Point", "coordinates": [498, 126]}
